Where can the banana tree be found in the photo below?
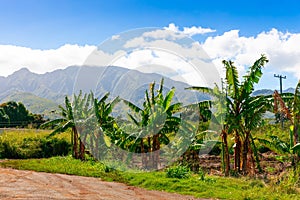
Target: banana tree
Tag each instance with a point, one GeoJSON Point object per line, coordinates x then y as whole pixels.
{"type": "Point", "coordinates": [243, 111]}
{"type": "Point", "coordinates": [65, 123]}
{"type": "Point", "coordinates": [106, 125]}
{"type": "Point", "coordinates": [83, 116]}
{"type": "Point", "coordinates": [277, 145]}
{"type": "Point", "coordinates": [153, 123]}
{"type": "Point", "coordinates": [218, 117]}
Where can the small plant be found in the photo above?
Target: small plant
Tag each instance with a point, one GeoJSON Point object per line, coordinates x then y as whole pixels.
{"type": "Point", "coordinates": [201, 174]}
{"type": "Point", "coordinates": [202, 177]}
{"type": "Point", "coordinates": [178, 172]}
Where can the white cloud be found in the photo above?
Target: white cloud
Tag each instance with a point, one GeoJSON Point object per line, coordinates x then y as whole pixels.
{"type": "Point", "coordinates": [282, 50]}
{"type": "Point", "coordinates": [196, 30]}
{"type": "Point", "coordinates": [115, 37]}
{"type": "Point", "coordinates": [13, 58]}
{"type": "Point", "coordinates": [189, 31]}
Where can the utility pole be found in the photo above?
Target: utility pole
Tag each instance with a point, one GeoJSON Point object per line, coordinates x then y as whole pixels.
{"type": "Point", "coordinates": [280, 81]}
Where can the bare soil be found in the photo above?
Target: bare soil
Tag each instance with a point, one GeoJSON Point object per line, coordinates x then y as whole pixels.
{"type": "Point", "coordinates": [20, 184]}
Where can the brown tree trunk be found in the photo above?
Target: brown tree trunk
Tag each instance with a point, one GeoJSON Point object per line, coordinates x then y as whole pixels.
{"type": "Point", "coordinates": [237, 153]}
{"type": "Point", "coordinates": [82, 150]}
{"type": "Point", "coordinates": [155, 151]}
{"type": "Point", "coordinates": [97, 146]}
{"type": "Point", "coordinates": [226, 153]}
{"type": "Point", "coordinates": [245, 154]}
{"type": "Point", "coordinates": [75, 144]}
{"type": "Point", "coordinates": [149, 153]}
{"type": "Point", "coordinates": [144, 159]}
{"type": "Point", "coordinates": [296, 134]}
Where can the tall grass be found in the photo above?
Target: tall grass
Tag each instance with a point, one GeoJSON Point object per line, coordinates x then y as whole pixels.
{"type": "Point", "coordinates": [31, 143]}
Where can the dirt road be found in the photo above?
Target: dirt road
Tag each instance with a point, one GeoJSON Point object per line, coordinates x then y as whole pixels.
{"type": "Point", "coordinates": [19, 184]}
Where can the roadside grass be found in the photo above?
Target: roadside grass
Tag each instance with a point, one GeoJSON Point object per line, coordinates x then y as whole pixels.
{"type": "Point", "coordinates": [209, 187]}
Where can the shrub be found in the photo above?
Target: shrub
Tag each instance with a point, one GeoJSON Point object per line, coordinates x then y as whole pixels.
{"type": "Point", "coordinates": [30, 146]}
{"type": "Point", "coordinates": [178, 172]}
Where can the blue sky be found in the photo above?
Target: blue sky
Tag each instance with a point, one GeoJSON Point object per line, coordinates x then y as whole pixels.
{"type": "Point", "coordinates": [45, 25]}
{"type": "Point", "coordinates": [49, 24]}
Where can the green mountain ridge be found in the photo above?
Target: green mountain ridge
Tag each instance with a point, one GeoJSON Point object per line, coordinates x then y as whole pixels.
{"type": "Point", "coordinates": [33, 103]}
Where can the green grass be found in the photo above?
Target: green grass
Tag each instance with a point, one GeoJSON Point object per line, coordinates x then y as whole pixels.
{"type": "Point", "coordinates": [31, 143]}
{"type": "Point", "coordinates": [219, 188]}
{"type": "Point", "coordinates": [18, 135]}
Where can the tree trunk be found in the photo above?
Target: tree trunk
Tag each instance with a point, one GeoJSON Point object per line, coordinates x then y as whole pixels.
{"type": "Point", "coordinates": [296, 132]}
{"type": "Point", "coordinates": [237, 153]}
{"type": "Point", "coordinates": [149, 153]}
{"type": "Point", "coordinates": [245, 154]}
{"type": "Point", "coordinates": [75, 143]}
{"type": "Point", "coordinates": [97, 146]}
{"type": "Point", "coordinates": [155, 151]}
{"type": "Point", "coordinates": [226, 153]}
{"type": "Point", "coordinates": [144, 159]}
{"type": "Point", "coordinates": [82, 150]}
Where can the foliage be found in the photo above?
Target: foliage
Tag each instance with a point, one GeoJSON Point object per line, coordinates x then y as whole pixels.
{"type": "Point", "coordinates": [153, 123]}
{"type": "Point", "coordinates": [31, 144]}
{"type": "Point", "coordinates": [243, 112]}
{"type": "Point", "coordinates": [13, 114]}
{"type": "Point", "coordinates": [178, 171]}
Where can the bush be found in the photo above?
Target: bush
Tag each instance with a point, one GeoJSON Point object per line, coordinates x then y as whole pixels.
{"type": "Point", "coordinates": [33, 147]}
{"type": "Point", "coordinates": [178, 172]}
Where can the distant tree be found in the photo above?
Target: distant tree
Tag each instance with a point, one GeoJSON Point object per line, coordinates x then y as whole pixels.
{"type": "Point", "coordinates": [15, 114]}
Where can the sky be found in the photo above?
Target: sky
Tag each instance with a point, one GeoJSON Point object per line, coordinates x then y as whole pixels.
{"type": "Point", "coordinates": [53, 34]}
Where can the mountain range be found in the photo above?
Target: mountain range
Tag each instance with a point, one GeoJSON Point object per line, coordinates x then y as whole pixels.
{"type": "Point", "coordinates": [42, 93]}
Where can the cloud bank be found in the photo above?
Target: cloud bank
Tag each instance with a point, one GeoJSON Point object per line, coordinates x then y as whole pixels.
{"type": "Point", "coordinates": [13, 58]}
{"type": "Point", "coordinates": [281, 48]}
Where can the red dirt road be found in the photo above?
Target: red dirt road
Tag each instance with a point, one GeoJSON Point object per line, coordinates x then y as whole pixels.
{"type": "Point", "coordinates": [20, 184]}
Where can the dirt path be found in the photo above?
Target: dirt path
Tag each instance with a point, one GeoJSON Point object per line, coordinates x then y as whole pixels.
{"type": "Point", "coordinates": [20, 184]}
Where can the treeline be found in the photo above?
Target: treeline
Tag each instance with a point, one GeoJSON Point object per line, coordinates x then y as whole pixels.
{"type": "Point", "coordinates": [15, 115]}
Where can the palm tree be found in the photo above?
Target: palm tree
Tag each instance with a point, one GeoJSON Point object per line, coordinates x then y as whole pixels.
{"type": "Point", "coordinates": [243, 111]}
